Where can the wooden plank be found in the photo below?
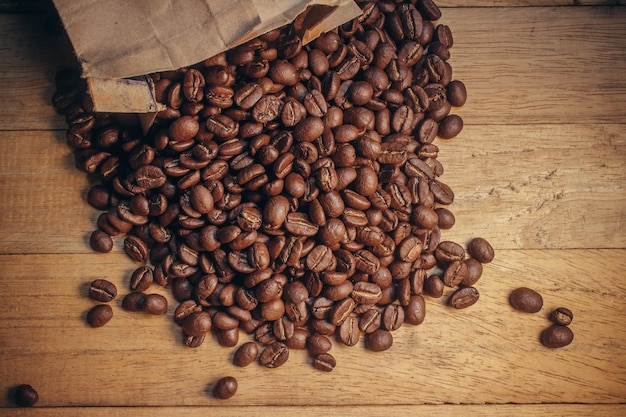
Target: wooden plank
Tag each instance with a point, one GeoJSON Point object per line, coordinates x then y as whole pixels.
{"type": "Point", "coordinates": [514, 75]}
{"type": "Point", "coordinates": [495, 410]}
{"type": "Point", "coordinates": [488, 353]}
{"type": "Point", "coordinates": [563, 175]}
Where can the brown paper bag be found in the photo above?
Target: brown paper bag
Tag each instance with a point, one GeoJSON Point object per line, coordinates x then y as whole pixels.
{"type": "Point", "coordinates": [115, 40]}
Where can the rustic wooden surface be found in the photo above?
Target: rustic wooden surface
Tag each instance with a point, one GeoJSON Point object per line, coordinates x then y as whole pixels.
{"type": "Point", "coordinates": [539, 170]}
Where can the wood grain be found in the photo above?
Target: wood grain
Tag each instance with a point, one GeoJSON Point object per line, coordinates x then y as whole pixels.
{"type": "Point", "coordinates": [479, 355]}
{"type": "Point", "coordinates": [514, 75]}
{"type": "Point", "coordinates": [351, 410]}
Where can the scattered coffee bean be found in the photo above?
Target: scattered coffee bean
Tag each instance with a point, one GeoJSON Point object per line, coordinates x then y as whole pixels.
{"type": "Point", "coordinates": [25, 395]}
{"type": "Point", "coordinates": [557, 336]}
{"type": "Point", "coordinates": [225, 388]}
{"type": "Point", "coordinates": [99, 315]}
{"type": "Point", "coordinates": [526, 300]}
{"type": "Point", "coordinates": [562, 316]}
{"type": "Point", "coordinates": [325, 362]}
{"type": "Point", "coordinates": [480, 249]}
{"type": "Point", "coordinates": [464, 297]}
{"type": "Point", "coordinates": [102, 290]}
{"type": "Point", "coordinates": [246, 354]}
{"type": "Point", "coordinates": [379, 340]}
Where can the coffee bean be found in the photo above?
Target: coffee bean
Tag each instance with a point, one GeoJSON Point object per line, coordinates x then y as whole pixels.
{"type": "Point", "coordinates": [133, 301]}
{"type": "Point", "coordinates": [246, 354]}
{"type": "Point", "coordinates": [378, 340]}
{"type": "Point", "coordinates": [480, 249]}
{"type": "Point", "coordinates": [349, 332]}
{"type": "Point", "coordinates": [562, 316]}
{"type": "Point", "coordinates": [100, 241]}
{"type": "Point", "coordinates": [99, 315]}
{"type": "Point", "coordinates": [102, 290]}
{"type": "Point", "coordinates": [25, 395]}
{"type": "Point", "coordinates": [197, 324]}
{"type": "Point", "coordinates": [155, 304]}
{"type": "Point", "coordinates": [225, 387]}
{"type": "Point", "coordinates": [324, 362]}
{"type": "Point", "coordinates": [274, 355]}
{"type": "Point", "coordinates": [557, 336]}
{"type": "Point", "coordinates": [450, 126]}
{"type": "Point", "coordinates": [526, 300]}
{"type": "Point", "coordinates": [141, 279]}
{"type": "Point", "coordinates": [464, 297]}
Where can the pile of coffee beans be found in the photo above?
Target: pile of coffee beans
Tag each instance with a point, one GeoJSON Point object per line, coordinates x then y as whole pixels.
{"type": "Point", "coordinates": [558, 334]}
{"type": "Point", "coordinates": [291, 192]}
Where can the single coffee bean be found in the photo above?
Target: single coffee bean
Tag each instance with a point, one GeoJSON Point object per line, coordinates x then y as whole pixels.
{"type": "Point", "coordinates": [325, 362]}
{"type": "Point", "coordinates": [480, 249]}
{"type": "Point", "coordinates": [562, 316]}
{"type": "Point", "coordinates": [557, 336]}
{"type": "Point", "coordinates": [434, 286]}
{"type": "Point", "coordinates": [155, 304]}
{"type": "Point", "coordinates": [464, 297]}
{"type": "Point", "coordinates": [450, 126]}
{"type": "Point", "coordinates": [225, 388]}
{"type": "Point", "coordinates": [349, 332]}
{"type": "Point", "coordinates": [379, 340]}
{"type": "Point", "coordinates": [99, 315]}
{"type": "Point", "coordinates": [100, 241]}
{"type": "Point", "coordinates": [133, 301]}
{"type": "Point", "coordinates": [318, 344]}
{"type": "Point", "coordinates": [526, 300]}
{"type": "Point", "coordinates": [102, 290]}
{"type": "Point", "coordinates": [197, 324]}
{"type": "Point", "coordinates": [193, 341]}
{"type": "Point", "coordinates": [415, 310]}
{"type": "Point", "coordinates": [246, 354]}
{"type": "Point", "coordinates": [274, 355]}
{"type": "Point", "coordinates": [456, 93]}
{"type": "Point", "coordinates": [25, 395]}
{"type": "Point", "coordinates": [141, 279]}
{"type": "Point", "coordinates": [474, 272]}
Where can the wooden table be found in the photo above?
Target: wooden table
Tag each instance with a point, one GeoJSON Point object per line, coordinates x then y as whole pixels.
{"type": "Point", "coordinates": [539, 170]}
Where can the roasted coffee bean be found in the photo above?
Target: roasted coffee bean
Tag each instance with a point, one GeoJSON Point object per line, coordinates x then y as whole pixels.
{"type": "Point", "coordinates": [557, 336]}
{"type": "Point", "coordinates": [197, 324]}
{"type": "Point", "coordinates": [133, 301]}
{"type": "Point", "coordinates": [155, 304]}
{"type": "Point", "coordinates": [25, 395]}
{"type": "Point", "coordinates": [225, 387]}
{"type": "Point", "coordinates": [246, 354]}
{"type": "Point", "coordinates": [102, 290]}
{"type": "Point", "coordinates": [448, 251]}
{"type": "Point", "coordinates": [415, 310]}
{"type": "Point", "coordinates": [324, 362]}
{"type": "Point", "coordinates": [480, 249]}
{"type": "Point", "coordinates": [450, 126]}
{"type": "Point", "coordinates": [274, 355]}
{"type": "Point", "coordinates": [456, 93]}
{"type": "Point", "coordinates": [455, 273]}
{"type": "Point", "coordinates": [135, 248]}
{"type": "Point", "coordinates": [193, 341]}
{"type": "Point", "coordinates": [318, 344]}
{"type": "Point", "coordinates": [100, 241]}
{"type": "Point", "coordinates": [526, 300]}
{"type": "Point", "coordinates": [141, 279]}
{"type": "Point", "coordinates": [349, 332]}
{"type": "Point", "coordinates": [474, 272]}
{"type": "Point", "coordinates": [99, 315]}
{"type": "Point", "coordinates": [378, 340]}
{"type": "Point", "coordinates": [464, 297]}
{"type": "Point", "coordinates": [562, 316]}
